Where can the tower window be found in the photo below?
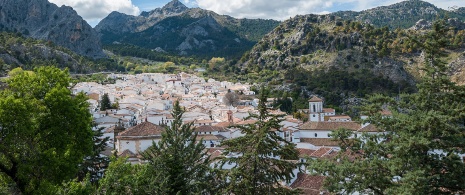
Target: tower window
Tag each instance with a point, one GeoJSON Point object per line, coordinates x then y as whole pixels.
{"type": "Point", "coordinates": [316, 134]}
{"type": "Point", "coordinates": [314, 108]}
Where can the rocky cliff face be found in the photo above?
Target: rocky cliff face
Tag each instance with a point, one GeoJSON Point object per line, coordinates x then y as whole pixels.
{"type": "Point", "coordinates": [40, 19]}
{"type": "Point", "coordinates": [322, 42]}
{"type": "Point", "coordinates": [401, 15]}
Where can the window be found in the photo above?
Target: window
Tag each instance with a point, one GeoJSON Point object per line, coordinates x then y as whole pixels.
{"type": "Point", "coordinates": [314, 109]}
{"type": "Point", "coordinates": [316, 134]}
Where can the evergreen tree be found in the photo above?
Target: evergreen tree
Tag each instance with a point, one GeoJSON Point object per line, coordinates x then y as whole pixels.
{"type": "Point", "coordinates": [179, 162]}
{"type": "Point", "coordinates": [105, 102]}
{"type": "Point", "coordinates": [95, 164]}
{"type": "Point", "coordinates": [418, 149]}
{"type": "Point", "coordinates": [258, 156]}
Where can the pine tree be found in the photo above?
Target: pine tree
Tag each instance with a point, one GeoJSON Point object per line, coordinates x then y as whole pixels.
{"type": "Point", "coordinates": [179, 161]}
{"type": "Point", "coordinates": [258, 156]}
{"type": "Point", "coordinates": [418, 149]}
{"type": "Point", "coordinates": [105, 102]}
{"type": "Point", "coordinates": [95, 164]}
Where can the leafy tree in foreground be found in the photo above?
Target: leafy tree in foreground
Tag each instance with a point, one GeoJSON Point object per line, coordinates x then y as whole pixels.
{"type": "Point", "coordinates": [418, 150]}
{"type": "Point", "coordinates": [122, 177]}
{"type": "Point", "coordinates": [258, 156]}
{"type": "Point", "coordinates": [178, 161]}
{"type": "Point", "coordinates": [45, 131]}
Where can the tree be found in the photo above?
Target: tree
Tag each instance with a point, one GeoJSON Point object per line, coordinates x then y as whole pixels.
{"type": "Point", "coordinates": [95, 164]}
{"type": "Point", "coordinates": [417, 151]}
{"type": "Point", "coordinates": [231, 99]}
{"type": "Point", "coordinates": [45, 131]}
{"type": "Point", "coordinates": [178, 161]}
{"type": "Point", "coordinates": [215, 63]}
{"type": "Point", "coordinates": [124, 178]}
{"type": "Point", "coordinates": [105, 102]}
{"type": "Point", "coordinates": [258, 157]}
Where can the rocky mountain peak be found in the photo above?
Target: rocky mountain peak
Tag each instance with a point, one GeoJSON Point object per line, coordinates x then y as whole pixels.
{"type": "Point", "coordinates": [40, 19]}
{"type": "Point", "coordinates": [175, 6]}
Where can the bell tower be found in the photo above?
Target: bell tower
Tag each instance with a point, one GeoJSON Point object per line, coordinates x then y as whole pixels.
{"type": "Point", "coordinates": [315, 109]}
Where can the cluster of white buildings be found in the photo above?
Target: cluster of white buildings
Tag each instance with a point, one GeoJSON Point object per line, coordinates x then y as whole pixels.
{"type": "Point", "coordinates": [145, 102]}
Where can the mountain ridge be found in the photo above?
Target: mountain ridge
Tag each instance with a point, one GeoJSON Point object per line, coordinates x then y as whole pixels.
{"type": "Point", "coordinates": [42, 20]}
{"type": "Point", "coordinates": [193, 31]}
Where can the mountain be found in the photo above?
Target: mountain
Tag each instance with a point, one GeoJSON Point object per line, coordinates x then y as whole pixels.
{"type": "Point", "coordinates": [401, 15]}
{"type": "Point", "coordinates": [177, 29]}
{"type": "Point", "coordinates": [42, 20]}
{"type": "Point", "coordinates": [338, 58]}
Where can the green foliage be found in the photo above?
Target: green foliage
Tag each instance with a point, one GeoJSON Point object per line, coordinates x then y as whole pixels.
{"type": "Point", "coordinates": [45, 130]}
{"type": "Point", "coordinates": [260, 157]}
{"type": "Point", "coordinates": [105, 102]}
{"type": "Point", "coordinates": [95, 164]}
{"type": "Point", "coordinates": [122, 177]}
{"type": "Point", "coordinates": [75, 187]}
{"type": "Point", "coordinates": [178, 161]}
{"type": "Point", "coordinates": [417, 151]}
{"type": "Point", "coordinates": [336, 85]}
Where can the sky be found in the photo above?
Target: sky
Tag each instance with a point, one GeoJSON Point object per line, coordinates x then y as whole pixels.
{"type": "Point", "coordinates": [95, 10]}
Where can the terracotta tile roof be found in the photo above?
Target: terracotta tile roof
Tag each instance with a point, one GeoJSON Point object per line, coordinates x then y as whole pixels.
{"type": "Point", "coordinates": [321, 152]}
{"type": "Point", "coordinates": [315, 99]}
{"type": "Point", "coordinates": [329, 126]}
{"type": "Point", "coordinates": [208, 137]}
{"type": "Point", "coordinates": [223, 124]}
{"type": "Point", "coordinates": [369, 128]}
{"type": "Point", "coordinates": [143, 129]}
{"type": "Point", "coordinates": [203, 121]}
{"type": "Point", "coordinates": [94, 96]}
{"type": "Point", "coordinates": [110, 129]}
{"type": "Point", "coordinates": [209, 128]}
{"type": "Point", "coordinates": [310, 184]}
{"type": "Point", "coordinates": [327, 110]}
{"type": "Point", "coordinates": [127, 153]}
{"type": "Point", "coordinates": [247, 122]}
{"type": "Point", "coordinates": [320, 141]}
{"type": "Point", "coordinates": [214, 152]}
{"type": "Point", "coordinates": [303, 152]}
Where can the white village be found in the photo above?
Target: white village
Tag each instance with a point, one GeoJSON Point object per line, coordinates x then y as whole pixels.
{"type": "Point", "coordinates": [144, 110]}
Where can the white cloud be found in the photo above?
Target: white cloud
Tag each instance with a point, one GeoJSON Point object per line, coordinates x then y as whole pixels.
{"type": "Point", "coordinates": [284, 9]}
{"type": "Point", "coordinates": [278, 9]}
{"type": "Point", "coordinates": [95, 10]}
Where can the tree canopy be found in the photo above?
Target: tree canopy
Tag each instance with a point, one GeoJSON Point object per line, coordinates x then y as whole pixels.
{"type": "Point", "coordinates": [45, 130]}
{"type": "Point", "coordinates": [261, 157]}
{"type": "Point", "coordinates": [417, 148]}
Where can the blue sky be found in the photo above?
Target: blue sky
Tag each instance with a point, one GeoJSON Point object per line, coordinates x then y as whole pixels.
{"type": "Point", "coordinates": [95, 10]}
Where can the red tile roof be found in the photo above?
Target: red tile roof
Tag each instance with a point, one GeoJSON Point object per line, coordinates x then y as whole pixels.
{"type": "Point", "coordinates": [321, 152]}
{"type": "Point", "coordinates": [320, 141]}
{"type": "Point", "coordinates": [369, 128]}
{"type": "Point", "coordinates": [143, 129]}
{"type": "Point", "coordinates": [309, 184]}
{"type": "Point", "coordinates": [127, 153]}
{"type": "Point", "coordinates": [303, 152]}
{"type": "Point", "coordinates": [209, 128]}
{"type": "Point", "coordinates": [315, 99]}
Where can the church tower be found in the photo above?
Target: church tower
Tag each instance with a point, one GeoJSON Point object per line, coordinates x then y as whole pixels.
{"type": "Point", "coordinates": [315, 109]}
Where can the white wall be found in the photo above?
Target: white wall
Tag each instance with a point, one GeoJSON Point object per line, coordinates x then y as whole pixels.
{"type": "Point", "coordinates": [311, 133]}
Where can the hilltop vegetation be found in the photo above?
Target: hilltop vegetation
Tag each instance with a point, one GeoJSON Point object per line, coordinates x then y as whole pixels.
{"type": "Point", "coordinates": [343, 58]}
